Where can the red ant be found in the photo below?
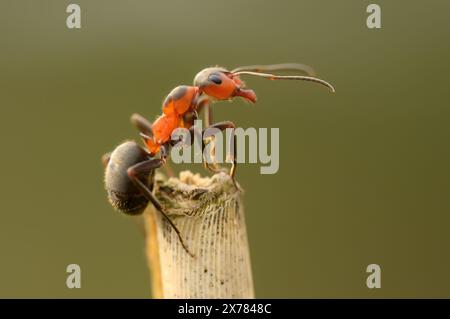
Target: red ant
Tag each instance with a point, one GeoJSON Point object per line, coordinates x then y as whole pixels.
{"type": "Point", "coordinates": [130, 168]}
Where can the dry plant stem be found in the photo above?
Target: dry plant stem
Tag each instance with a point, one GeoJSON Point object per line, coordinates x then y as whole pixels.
{"type": "Point", "coordinates": [210, 215]}
{"type": "Point", "coordinates": [153, 253]}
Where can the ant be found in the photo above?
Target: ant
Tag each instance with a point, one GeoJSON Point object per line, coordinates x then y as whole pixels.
{"type": "Point", "coordinates": [130, 169]}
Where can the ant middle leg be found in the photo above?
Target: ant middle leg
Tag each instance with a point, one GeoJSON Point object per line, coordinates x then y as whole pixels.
{"type": "Point", "coordinates": [141, 171]}
{"type": "Point", "coordinates": [208, 118]}
{"type": "Point", "coordinates": [197, 135]}
{"type": "Point", "coordinates": [222, 126]}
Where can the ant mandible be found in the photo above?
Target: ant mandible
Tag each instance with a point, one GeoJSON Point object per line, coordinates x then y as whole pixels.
{"type": "Point", "coordinates": [130, 169]}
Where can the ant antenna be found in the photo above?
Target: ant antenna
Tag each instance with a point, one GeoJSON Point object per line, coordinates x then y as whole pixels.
{"type": "Point", "coordinates": [287, 77]}
{"type": "Point", "coordinates": [277, 67]}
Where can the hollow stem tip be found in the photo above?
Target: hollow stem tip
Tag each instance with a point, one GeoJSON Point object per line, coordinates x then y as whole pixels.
{"type": "Point", "coordinates": [210, 215]}
{"type": "Point", "coordinates": [190, 192]}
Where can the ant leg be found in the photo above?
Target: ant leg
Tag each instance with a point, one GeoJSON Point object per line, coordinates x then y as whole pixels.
{"type": "Point", "coordinates": [164, 154]}
{"type": "Point", "coordinates": [213, 167]}
{"type": "Point", "coordinates": [141, 170]}
{"type": "Point", "coordinates": [208, 117]}
{"type": "Point", "coordinates": [193, 132]}
{"type": "Point", "coordinates": [203, 102]}
{"type": "Point", "coordinates": [105, 158]}
{"type": "Point", "coordinates": [164, 151]}
{"type": "Point", "coordinates": [223, 126]}
{"type": "Point", "coordinates": [142, 124]}
{"type": "Point", "coordinates": [208, 121]}
{"type": "Point", "coordinates": [145, 129]}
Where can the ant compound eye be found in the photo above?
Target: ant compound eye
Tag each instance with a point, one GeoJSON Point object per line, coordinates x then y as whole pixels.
{"type": "Point", "coordinates": [215, 78]}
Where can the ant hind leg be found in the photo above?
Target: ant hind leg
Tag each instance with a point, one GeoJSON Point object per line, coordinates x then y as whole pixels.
{"type": "Point", "coordinates": [142, 170]}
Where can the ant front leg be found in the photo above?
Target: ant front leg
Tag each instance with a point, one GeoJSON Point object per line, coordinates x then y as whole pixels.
{"type": "Point", "coordinates": [208, 115]}
{"type": "Point", "coordinates": [222, 126]}
{"type": "Point", "coordinates": [141, 171]}
{"type": "Point", "coordinates": [204, 103]}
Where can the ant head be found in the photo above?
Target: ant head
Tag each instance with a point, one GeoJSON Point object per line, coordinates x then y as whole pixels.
{"type": "Point", "coordinates": [222, 84]}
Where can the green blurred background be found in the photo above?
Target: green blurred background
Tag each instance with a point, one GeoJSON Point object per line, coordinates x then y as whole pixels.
{"type": "Point", "coordinates": [364, 173]}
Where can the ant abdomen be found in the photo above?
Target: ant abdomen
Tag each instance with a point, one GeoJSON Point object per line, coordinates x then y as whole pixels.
{"type": "Point", "coordinates": [122, 192]}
